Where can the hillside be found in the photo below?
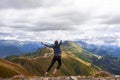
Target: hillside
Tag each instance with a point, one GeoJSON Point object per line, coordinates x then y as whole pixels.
{"type": "Point", "coordinates": [9, 69]}
{"type": "Point", "coordinates": [75, 61]}
{"type": "Point", "coordinates": [108, 63]}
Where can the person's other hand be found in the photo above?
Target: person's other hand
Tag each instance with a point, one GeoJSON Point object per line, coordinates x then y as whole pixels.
{"type": "Point", "coordinates": [41, 42]}
{"type": "Point", "coordinates": [60, 40]}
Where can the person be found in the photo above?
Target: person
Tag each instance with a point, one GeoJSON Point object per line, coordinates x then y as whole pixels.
{"type": "Point", "coordinates": [57, 56]}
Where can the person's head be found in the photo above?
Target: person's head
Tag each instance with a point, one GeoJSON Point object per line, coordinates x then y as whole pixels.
{"type": "Point", "coordinates": [56, 42]}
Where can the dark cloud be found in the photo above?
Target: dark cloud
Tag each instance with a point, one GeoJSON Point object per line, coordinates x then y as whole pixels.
{"type": "Point", "coordinates": [20, 4]}
{"type": "Point", "coordinates": [2, 24]}
{"type": "Point", "coordinates": [108, 39]}
{"type": "Point", "coordinates": [4, 34]}
{"type": "Point", "coordinates": [26, 4]}
{"type": "Point", "coordinates": [59, 21]}
{"type": "Point", "coordinates": [113, 20]}
{"type": "Point", "coordinates": [74, 17]}
{"type": "Point", "coordinates": [42, 27]}
{"type": "Point", "coordinates": [109, 19]}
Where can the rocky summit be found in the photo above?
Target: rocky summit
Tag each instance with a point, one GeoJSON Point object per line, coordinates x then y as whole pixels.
{"type": "Point", "coordinates": [116, 77]}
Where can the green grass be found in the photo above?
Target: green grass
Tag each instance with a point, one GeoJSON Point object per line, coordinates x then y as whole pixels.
{"type": "Point", "coordinates": [9, 69]}
{"type": "Point", "coordinates": [75, 61]}
{"type": "Point", "coordinates": [71, 65]}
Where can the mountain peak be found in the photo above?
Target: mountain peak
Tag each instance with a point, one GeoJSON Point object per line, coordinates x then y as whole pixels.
{"type": "Point", "coordinates": [70, 43]}
{"type": "Point", "coordinates": [67, 42]}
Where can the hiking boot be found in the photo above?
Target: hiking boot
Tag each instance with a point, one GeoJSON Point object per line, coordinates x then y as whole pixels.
{"type": "Point", "coordinates": [46, 74]}
{"type": "Point", "coordinates": [55, 71]}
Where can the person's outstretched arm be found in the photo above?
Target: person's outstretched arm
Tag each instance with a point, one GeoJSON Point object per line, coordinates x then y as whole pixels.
{"type": "Point", "coordinates": [60, 42]}
{"type": "Point", "coordinates": [46, 45]}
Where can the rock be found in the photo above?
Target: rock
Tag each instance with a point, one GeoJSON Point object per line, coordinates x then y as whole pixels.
{"type": "Point", "coordinates": [114, 77]}
{"type": "Point", "coordinates": [74, 78]}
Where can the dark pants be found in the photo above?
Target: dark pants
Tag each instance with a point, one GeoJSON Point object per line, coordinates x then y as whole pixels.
{"type": "Point", "coordinates": [55, 58]}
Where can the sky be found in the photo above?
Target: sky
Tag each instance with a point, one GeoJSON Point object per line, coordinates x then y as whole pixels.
{"type": "Point", "coordinates": [92, 21]}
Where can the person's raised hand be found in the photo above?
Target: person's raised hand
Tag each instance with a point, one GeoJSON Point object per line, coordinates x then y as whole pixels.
{"type": "Point", "coordinates": [41, 42]}
{"type": "Point", "coordinates": [60, 40]}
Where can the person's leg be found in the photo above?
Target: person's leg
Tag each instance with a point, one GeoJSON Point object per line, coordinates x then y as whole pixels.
{"type": "Point", "coordinates": [53, 61]}
{"type": "Point", "coordinates": [59, 64]}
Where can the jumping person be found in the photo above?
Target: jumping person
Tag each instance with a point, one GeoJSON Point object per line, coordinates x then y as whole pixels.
{"type": "Point", "coordinates": [57, 55]}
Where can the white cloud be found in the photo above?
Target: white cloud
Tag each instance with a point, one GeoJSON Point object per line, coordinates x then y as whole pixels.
{"type": "Point", "coordinates": [95, 21]}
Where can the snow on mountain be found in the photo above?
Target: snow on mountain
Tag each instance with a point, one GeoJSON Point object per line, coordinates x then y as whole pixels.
{"type": "Point", "coordinates": [12, 47]}
{"type": "Point", "coordinates": [103, 49]}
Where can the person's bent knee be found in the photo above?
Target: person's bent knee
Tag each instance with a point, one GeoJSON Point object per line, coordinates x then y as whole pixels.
{"type": "Point", "coordinates": [60, 64]}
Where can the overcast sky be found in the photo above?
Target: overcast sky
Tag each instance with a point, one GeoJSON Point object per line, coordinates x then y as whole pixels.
{"type": "Point", "coordinates": [93, 21]}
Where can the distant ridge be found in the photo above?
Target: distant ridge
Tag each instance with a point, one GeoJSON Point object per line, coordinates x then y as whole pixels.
{"type": "Point", "coordinates": [101, 50]}
{"type": "Point", "coordinates": [12, 47]}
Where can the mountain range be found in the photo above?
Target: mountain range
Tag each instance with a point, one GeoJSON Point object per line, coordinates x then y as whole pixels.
{"type": "Point", "coordinates": [12, 47]}
{"type": "Point", "coordinates": [75, 61]}
{"type": "Point", "coordinates": [101, 50]}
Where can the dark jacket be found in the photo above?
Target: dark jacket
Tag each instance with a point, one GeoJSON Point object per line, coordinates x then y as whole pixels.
{"type": "Point", "coordinates": [56, 48]}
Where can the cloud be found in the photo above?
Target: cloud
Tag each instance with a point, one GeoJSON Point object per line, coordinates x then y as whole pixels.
{"type": "Point", "coordinates": [28, 4]}
{"type": "Point", "coordinates": [44, 19]}
{"type": "Point", "coordinates": [19, 4]}
{"type": "Point", "coordinates": [94, 21]}
{"type": "Point", "coordinates": [113, 20]}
